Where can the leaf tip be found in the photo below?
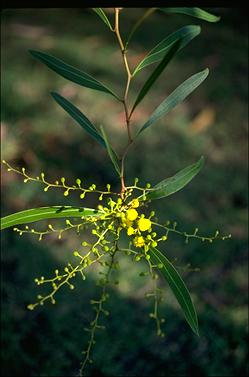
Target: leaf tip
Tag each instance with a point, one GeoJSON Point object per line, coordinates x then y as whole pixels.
{"type": "Point", "coordinates": [200, 163]}
{"type": "Point", "coordinates": [196, 329]}
{"type": "Point", "coordinates": [54, 95]}
{"type": "Point", "coordinates": [202, 160]}
{"type": "Point", "coordinates": [216, 18]}
{"type": "Point", "coordinates": [197, 28]}
{"type": "Point", "coordinates": [34, 53]}
{"type": "Point", "coordinates": [206, 71]}
{"type": "Point", "coordinates": [102, 130]}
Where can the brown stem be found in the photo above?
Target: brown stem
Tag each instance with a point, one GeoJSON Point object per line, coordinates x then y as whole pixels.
{"type": "Point", "coordinates": [129, 77]}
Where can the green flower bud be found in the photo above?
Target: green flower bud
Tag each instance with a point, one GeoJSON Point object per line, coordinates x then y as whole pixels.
{"type": "Point", "coordinates": [78, 181]}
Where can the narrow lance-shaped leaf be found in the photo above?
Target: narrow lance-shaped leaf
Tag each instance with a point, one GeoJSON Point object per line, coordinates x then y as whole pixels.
{"type": "Point", "coordinates": [156, 73]}
{"type": "Point", "coordinates": [103, 16]}
{"type": "Point", "coordinates": [138, 24]}
{"type": "Point", "coordinates": [70, 73]}
{"type": "Point", "coordinates": [177, 286]}
{"type": "Point", "coordinates": [177, 96]}
{"type": "Point", "coordinates": [80, 118]}
{"type": "Point", "coordinates": [185, 35]}
{"type": "Point", "coordinates": [173, 184]}
{"type": "Point", "coordinates": [111, 152]}
{"type": "Point", "coordinates": [194, 12]}
{"type": "Point", "coordinates": [44, 213]}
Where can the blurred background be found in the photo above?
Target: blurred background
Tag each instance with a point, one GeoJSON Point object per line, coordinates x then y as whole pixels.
{"type": "Point", "coordinates": [38, 134]}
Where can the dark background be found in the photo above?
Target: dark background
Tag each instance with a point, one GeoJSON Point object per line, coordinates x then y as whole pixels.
{"type": "Point", "coordinates": [37, 134]}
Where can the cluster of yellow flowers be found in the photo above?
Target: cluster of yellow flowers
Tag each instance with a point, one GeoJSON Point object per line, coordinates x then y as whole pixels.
{"type": "Point", "coordinates": [137, 224]}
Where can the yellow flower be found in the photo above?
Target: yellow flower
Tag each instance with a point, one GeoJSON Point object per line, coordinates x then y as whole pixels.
{"type": "Point", "coordinates": [130, 231]}
{"type": "Point", "coordinates": [131, 214]}
{"type": "Point", "coordinates": [134, 203]}
{"type": "Point", "coordinates": [139, 241]}
{"type": "Point", "coordinates": [144, 224]}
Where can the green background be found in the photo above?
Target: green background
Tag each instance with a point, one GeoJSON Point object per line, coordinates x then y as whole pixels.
{"type": "Point", "coordinates": [38, 134]}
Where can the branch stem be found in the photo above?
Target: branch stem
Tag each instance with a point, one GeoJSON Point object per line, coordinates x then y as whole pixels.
{"type": "Point", "coordinates": [124, 100]}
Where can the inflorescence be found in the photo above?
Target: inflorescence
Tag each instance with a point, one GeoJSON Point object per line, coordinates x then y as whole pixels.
{"type": "Point", "coordinates": [122, 215]}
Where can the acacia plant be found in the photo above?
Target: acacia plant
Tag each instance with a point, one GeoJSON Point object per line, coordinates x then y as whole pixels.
{"type": "Point", "coordinates": [126, 212]}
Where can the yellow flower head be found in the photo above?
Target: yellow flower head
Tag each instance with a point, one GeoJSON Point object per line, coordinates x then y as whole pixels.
{"type": "Point", "coordinates": [131, 214]}
{"type": "Point", "coordinates": [144, 224]}
{"type": "Point", "coordinates": [134, 203]}
{"type": "Point", "coordinates": [139, 241]}
{"type": "Point", "coordinates": [130, 231]}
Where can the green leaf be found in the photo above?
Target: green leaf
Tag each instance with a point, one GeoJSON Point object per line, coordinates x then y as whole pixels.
{"type": "Point", "coordinates": [80, 118]}
{"type": "Point", "coordinates": [138, 24]}
{"type": "Point", "coordinates": [185, 35]}
{"type": "Point", "coordinates": [177, 286]}
{"type": "Point", "coordinates": [103, 16]}
{"type": "Point", "coordinates": [71, 73]}
{"type": "Point", "coordinates": [173, 184]}
{"type": "Point", "coordinates": [113, 156]}
{"type": "Point", "coordinates": [44, 213]}
{"type": "Point", "coordinates": [194, 12]}
{"type": "Point", "coordinates": [177, 96]}
{"type": "Point", "coordinates": [156, 73]}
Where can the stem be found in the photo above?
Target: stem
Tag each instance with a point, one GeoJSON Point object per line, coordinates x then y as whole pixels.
{"type": "Point", "coordinates": [128, 81]}
{"type": "Point", "coordinates": [99, 309]}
